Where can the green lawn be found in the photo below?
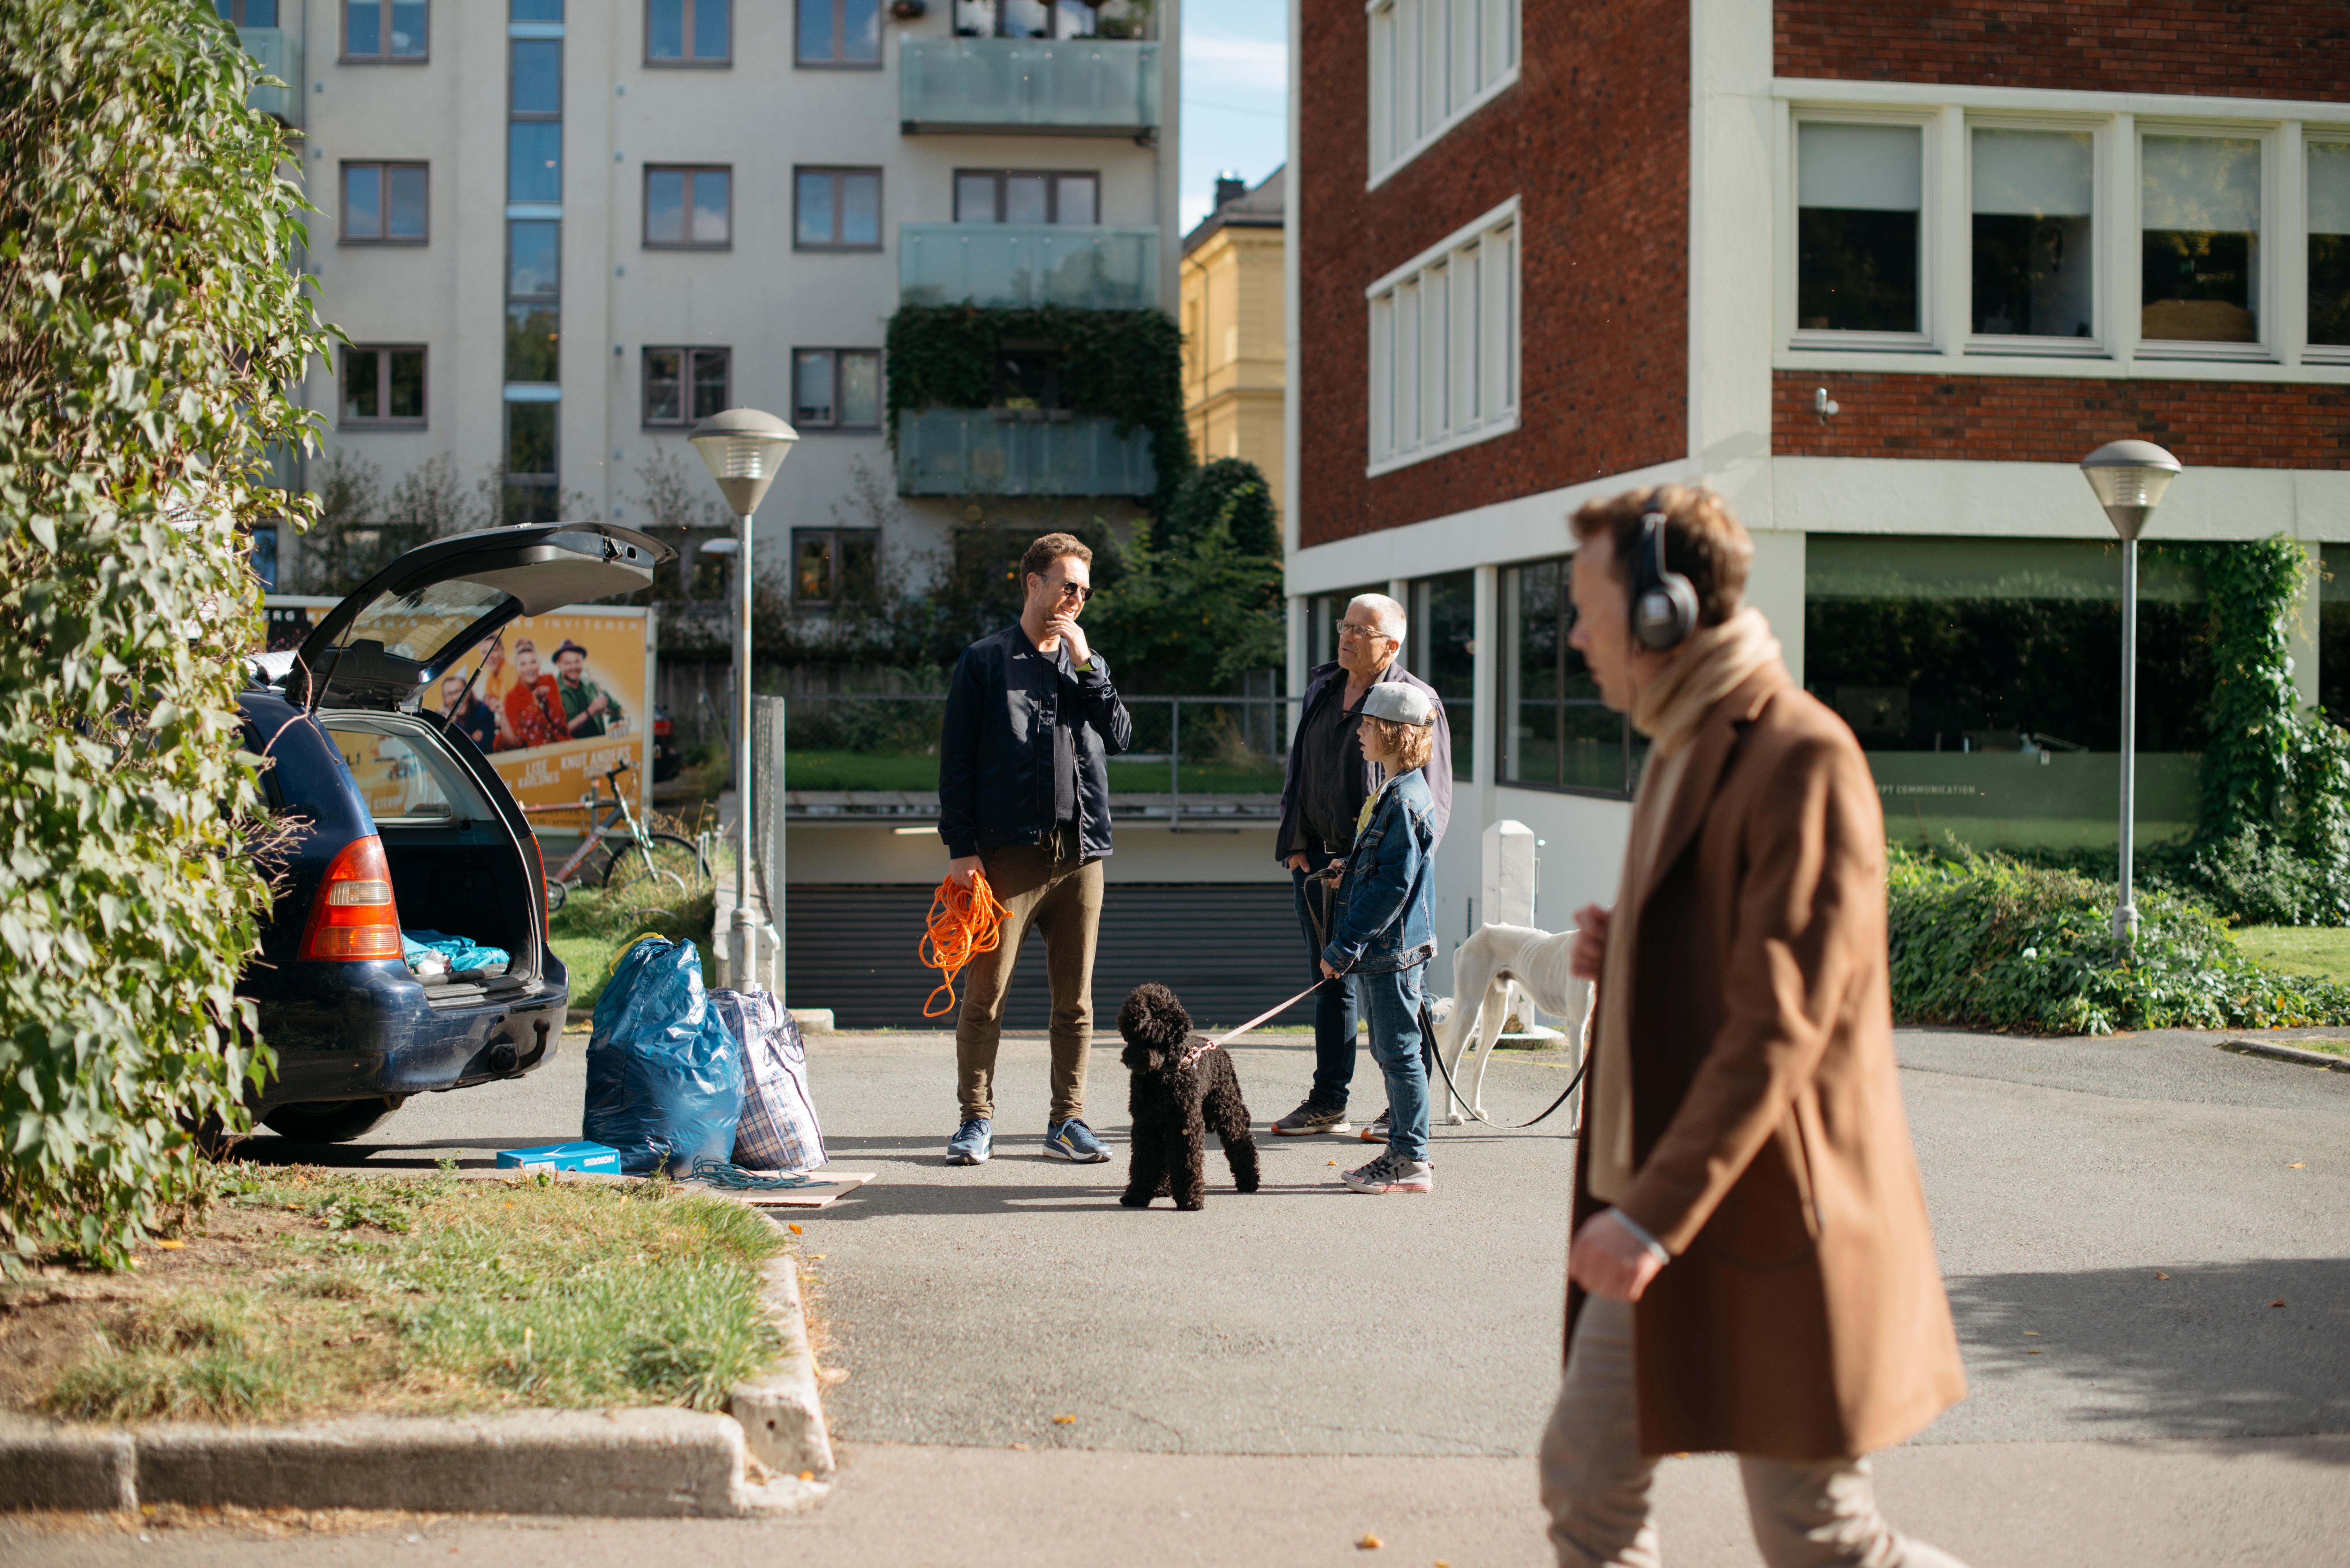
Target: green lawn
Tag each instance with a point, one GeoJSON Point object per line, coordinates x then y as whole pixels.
{"type": "Point", "coordinates": [2321, 951]}
{"type": "Point", "coordinates": [887, 771]}
{"type": "Point", "coordinates": [589, 931]}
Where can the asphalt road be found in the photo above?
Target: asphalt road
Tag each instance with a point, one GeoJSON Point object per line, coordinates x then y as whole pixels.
{"type": "Point", "coordinates": [1266, 1379]}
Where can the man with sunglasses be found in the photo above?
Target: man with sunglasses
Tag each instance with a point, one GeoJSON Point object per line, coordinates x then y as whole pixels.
{"type": "Point", "coordinates": [1024, 795]}
{"type": "Point", "coordinates": [1329, 779]}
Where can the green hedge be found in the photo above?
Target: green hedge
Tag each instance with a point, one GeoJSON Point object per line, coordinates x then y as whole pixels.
{"type": "Point", "coordinates": [1987, 941]}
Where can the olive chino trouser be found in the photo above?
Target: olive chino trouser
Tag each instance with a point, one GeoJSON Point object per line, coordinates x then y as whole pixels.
{"type": "Point", "coordinates": [1055, 889]}
{"type": "Point", "coordinates": [1595, 1481]}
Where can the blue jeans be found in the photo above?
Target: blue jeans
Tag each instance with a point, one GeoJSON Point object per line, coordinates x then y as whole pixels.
{"type": "Point", "coordinates": [1393, 1002]}
{"type": "Point", "coordinates": [1333, 1005]}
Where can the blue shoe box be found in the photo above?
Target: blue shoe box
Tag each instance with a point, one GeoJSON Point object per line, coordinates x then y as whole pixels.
{"type": "Point", "coordinates": [595, 1156]}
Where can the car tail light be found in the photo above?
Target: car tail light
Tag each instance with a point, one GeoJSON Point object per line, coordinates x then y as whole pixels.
{"type": "Point", "coordinates": [662, 728]}
{"type": "Point", "coordinates": [353, 915]}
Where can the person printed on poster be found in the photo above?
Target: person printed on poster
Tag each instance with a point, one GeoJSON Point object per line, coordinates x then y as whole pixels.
{"type": "Point", "coordinates": [470, 713]}
{"type": "Point", "coordinates": [534, 709]}
{"type": "Point", "coordinates": [587, 711]}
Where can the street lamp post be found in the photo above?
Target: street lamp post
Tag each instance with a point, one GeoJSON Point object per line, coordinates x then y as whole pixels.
{"type": "Point", "coordinates": [743, 447]}
{"type": "Point", "coordinates": [2128, 477]}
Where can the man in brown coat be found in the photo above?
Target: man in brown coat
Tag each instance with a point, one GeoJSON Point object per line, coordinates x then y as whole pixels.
{"type": "Point", "coordinates": [1752, 1267]}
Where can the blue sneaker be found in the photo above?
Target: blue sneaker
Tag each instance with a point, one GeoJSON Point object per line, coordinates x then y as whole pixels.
{"type": "Point", "coordinates": [1073, 1140]}
{"type": "Point", "coordinates": [971, 1143]}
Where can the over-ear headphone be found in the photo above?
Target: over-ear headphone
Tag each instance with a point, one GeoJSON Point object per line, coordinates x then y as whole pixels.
{"type": "Point", "coordinates": [1664, 605]}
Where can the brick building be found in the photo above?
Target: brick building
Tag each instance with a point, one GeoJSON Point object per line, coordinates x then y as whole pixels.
{"type": "Point", "coordinates": [1881, 276]}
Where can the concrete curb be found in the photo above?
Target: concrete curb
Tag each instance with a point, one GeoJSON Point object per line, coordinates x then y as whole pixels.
{"type": "Point", "coordinates": [611, 1464]}
{"type": "Point", "coordinates": [2283, 1052]}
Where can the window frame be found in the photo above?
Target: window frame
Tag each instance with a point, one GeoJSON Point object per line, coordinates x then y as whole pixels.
{"type": "Point", "coordinates": [688, 62]}
{"type": "Point", "coordinates": [838, 171]}
{"type": "Point", "coordinates": [384, 166]}
{"type": "Point", "coordinates": [836, 425]}
{"type": "Point", "coordinates": [834, 534]}
{"type": "Point", "coordinates": [1506, 699]}
{"type": "Point", "coordinates": [2296, 268]}
{"type": "Point", "coordinates": [1932, 226]}
{"type": "Point", "coordinates": [384, 351]}
{"type": "Point", "coordinates": [2264, 347]}
{"type": "Point", "coordinates": [1508, 337]}
{"type": "Point", "coordinates": [343, 37]}
{"type": "Point", "coordinates": [840, 38]}
{"type": "Point", "coordinates": [645, 193]}
{"type": "Point", "coordinates": [1378, 104]}
{"type": "Point", "coordinates": [691, 353]}
{"type": "Point", "coordinates": [2104, 218]}
{"type": "Point", "coordinates": [1051, 193]}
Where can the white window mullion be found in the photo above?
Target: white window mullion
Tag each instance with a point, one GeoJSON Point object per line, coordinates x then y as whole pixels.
{"type": "Point", "coordinates": [1406, 377]}
{"type": "Point", "coordinates": [1382, 378]}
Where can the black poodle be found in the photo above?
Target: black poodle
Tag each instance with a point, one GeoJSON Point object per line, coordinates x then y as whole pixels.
{"type": "Point", "coordinates": [1174, 1104]}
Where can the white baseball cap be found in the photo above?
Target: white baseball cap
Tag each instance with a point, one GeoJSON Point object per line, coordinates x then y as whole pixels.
{"type": "Point", "coordinates": [1400, 703]}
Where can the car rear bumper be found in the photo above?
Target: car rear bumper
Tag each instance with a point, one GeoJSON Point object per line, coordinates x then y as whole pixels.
{"type": "Point", "coordinates": [362, 1030]}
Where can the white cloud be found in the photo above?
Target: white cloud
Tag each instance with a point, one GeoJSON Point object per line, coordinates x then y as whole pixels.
{"type": "Point", "coordinates": [1212, 61]}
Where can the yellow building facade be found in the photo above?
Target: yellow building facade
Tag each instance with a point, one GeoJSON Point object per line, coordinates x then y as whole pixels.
{"type": "Point", "coordinates": [1235, 365]}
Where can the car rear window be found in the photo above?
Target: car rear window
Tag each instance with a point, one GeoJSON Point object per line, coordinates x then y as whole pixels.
{"type": "Point", "coordinates": [402, 772]}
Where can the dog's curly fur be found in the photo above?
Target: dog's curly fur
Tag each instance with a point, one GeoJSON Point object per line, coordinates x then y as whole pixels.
{"type": "Point", "coordinates": [1175, 1106]}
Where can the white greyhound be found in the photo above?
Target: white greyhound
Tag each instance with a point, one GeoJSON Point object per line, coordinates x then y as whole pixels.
{"type": "Point", "coordinates": [1490, 971]}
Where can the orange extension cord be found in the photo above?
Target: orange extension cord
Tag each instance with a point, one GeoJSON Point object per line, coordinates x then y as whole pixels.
{"type": "Point", "coordinates": [964, 923]}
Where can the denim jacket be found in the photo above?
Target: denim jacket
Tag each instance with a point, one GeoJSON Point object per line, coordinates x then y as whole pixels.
{"type": "Point", "coordinates": [1386, 918]}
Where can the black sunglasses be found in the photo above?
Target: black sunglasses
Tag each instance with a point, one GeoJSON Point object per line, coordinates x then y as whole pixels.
{"type": "Point", "coordinates": [1067, 588]}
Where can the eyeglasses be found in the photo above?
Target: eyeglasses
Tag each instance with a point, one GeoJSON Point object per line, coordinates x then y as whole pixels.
{"type": "Point", "coordinates": [1081, 590]}
{"type": "Point", "coordinates": [1356, 629]}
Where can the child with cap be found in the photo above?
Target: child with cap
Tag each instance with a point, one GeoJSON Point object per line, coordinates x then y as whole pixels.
{"type": "Point", "coordinates": [1383, 929]}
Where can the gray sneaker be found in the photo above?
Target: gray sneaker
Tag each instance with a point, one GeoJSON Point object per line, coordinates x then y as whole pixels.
{"type": "Point", "coordinates": [1309, 1119]}
{"type": "Point", "coordinates": [1378, 1131]}
{"type": "Point", "coordinates": [1392, 1173]}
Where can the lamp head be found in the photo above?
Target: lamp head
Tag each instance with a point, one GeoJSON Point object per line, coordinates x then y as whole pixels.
{"type": "Point", "coordinates": [743, 448]}
{"type": "Point", "coordinates": [2130, 477]}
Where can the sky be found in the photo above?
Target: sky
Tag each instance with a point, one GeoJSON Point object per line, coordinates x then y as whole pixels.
{"type": "Point", "coordinates": [1235, 96]}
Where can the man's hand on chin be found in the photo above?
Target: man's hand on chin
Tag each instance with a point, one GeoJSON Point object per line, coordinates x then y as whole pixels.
{"type": "Point", "coordinates": [1609, 1260]}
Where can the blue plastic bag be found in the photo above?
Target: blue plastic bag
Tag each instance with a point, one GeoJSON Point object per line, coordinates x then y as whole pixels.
{"type": "Point", "coordinates": [664, 1074]}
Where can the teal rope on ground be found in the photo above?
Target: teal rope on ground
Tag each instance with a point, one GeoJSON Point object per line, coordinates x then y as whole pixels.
{"type": "Point", "coordinates": [723, 1173]}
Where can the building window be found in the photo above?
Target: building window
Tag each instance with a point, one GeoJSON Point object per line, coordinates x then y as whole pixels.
{"type": "Point", "coordinates": [1009, 196]}
{"type": "Point", "coordinates": [836, 388]}
{"type": "Point", "coordinates": [534, 83]}
{"type": "Point", "coordinates": [831, 565]}
{"type": "Point", "coordinates": [383, 387]}
{"type": "Point", "coordinates": [385, 29]}
{"type": "Point", "coordinates": [1024, 18]}
{"type": "Point", "coordinates": [384, 204]}
{"type": "Point", "coordinates": [840, 33]}
{"type": "Point", "coordinates": [1443, 652]}
{"type": "Point", "coordinates": [689, 32]}
{"type": "Point", "coordinates": [1444, 345]}
{"type": "Point", "coordinates": [836, 210]}
{"type": "Point", "coordinates": [689, 209]}
{"type": "Point", "coordinates": [1859, 199]}
{"type": "Point", "coordinates": [685, 386]}
{"type": "Point", "coordinates": [1983, 679]}
{"type": "Point", "coordinates": [250, 13]}
{"type": "Point", "coordinates": [1433, 64]}
{"type": "Point", "coordinates": [2035, 263]}
{"type": "Point", "coordinates": [533, 334]}
{"type": "Point", "coordinates": [2199, 222]}
{"type": "Point", "coordinates": [532, 473]}
{"type": "Point", "coordinates": [1556, 732]}
{"type": "Point", "coordinates": [534, 10]}
{"type": "Point", "coordinates": [2329, 244]}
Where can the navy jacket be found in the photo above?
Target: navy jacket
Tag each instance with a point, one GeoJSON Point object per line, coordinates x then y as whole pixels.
{"type": "Point", "coordinates": [1386, 918]}
{"type": "Point", "coordinates": [1326, 683]}
{"type": "Point", "coordinates": [996, 755]}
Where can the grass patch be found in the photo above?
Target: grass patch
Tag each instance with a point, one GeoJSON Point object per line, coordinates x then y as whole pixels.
{"type": "Point", "coordinates": [2320, 952]}
{"type": "Point", "coordinates": [305, 1291]}
{"type": "Point", "coordinates": [589, 931]}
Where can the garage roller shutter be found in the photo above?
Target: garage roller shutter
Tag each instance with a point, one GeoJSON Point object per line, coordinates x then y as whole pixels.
{"type": "Point", "coordinates": [1229, 950]}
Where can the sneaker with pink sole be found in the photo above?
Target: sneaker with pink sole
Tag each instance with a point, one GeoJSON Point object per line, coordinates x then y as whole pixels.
{"type": "Point", "coordinates": [1392, 1173]}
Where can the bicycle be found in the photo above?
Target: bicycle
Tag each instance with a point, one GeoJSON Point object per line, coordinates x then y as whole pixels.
{"type": "Point", "coordinates": [635, 854]}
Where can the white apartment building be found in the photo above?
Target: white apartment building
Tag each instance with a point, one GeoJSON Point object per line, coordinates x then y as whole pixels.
{"type": "Point", "coordinates": [558, 233]}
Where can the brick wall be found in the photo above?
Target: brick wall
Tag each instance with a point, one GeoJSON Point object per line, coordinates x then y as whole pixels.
{"type": "Point", "coordinates": [1594, 140]}
{"type": "Point", "coordinates": [2034, 419]}
{"type": "Point", "coordinates": [2240, 47]}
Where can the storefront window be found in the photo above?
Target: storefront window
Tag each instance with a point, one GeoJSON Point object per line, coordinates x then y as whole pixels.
{"type": "Point", "coordinates": [1555, 731]}
{"type": "Point", "coordinates": [1983, 678]}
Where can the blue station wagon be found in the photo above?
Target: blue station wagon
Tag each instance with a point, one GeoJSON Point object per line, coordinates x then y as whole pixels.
{"type": "Point", "coordinates": [434, 840]}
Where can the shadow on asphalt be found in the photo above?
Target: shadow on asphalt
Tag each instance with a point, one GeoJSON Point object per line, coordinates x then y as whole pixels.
{"type": "Point", "coordinates": [2219, 1350]}
{"type": "Point", "coordinates": [884, 1202]}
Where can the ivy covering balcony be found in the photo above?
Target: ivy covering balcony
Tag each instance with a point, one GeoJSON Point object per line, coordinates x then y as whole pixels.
{"type": "Point", "coordinates": [1020, 451]}
{"type": "Point", "coordinates": [1023, 266]}
{"type": "Point", "coordinates": [1038, 86]}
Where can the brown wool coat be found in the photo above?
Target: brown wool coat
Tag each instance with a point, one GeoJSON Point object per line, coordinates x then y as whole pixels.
{"type": "Point", "coordinates": [1803, 1316]}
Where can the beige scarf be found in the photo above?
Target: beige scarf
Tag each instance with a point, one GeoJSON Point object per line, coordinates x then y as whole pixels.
{"type": "Point", "coordinates": [1669, 710]}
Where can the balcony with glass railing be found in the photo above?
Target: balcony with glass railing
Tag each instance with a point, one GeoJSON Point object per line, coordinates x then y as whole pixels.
{"type": "Point", "coordinates": [1023, 266]}
{"type": "Point", "coordinates": [1038, 86]}
{"type": "Point", "coordinates": [278, 52]}
{"type": "Point", "coordinates": [1020, 452]}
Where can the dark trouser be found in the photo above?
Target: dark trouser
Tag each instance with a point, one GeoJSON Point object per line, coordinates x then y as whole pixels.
{"type": "Point", "coordinates": [1060, 894]}
{"type": "Point", "coordinates": [1335, 1011]}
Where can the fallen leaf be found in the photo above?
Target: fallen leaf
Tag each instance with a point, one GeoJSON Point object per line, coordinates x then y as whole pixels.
{"type": "Point", "coordinates": [2031, 1333]}
{"type": "Point", "coordinates": [170, 1246]}
{"type": "Point", "coordinates": [2160, 1275]}
{"type": "Point", "coordinates": [1370, 1542]}
{"type": "Point", "coordinates": [2277, 1303]}
{"type": "Point", "coordinates": [1071, 1420]}
{"type": "Point", "coordinates": [1022, 1446]}
{"type": "Point", "coordinates": [1440, 1563]}
{"type": "Point", "coordinates": [807, 1475]}
{"type": "Point", "coordinates": [796, 1231]}
{"type": "Point", "coordinates": [2296, 1165]}
{"type": "Point", "coordinates": [2035, 1353]}
{"type": "Point", "coordinates": [816, 1257]}
{"type": "Point", "coordinates": [1334, 1162]}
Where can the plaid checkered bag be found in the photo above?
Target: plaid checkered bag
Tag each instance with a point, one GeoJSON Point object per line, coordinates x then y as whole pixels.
{"type": "Point", "coordinates": [779, 1131]}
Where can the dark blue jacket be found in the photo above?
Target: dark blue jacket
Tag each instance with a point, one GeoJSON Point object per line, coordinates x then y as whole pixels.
{"type": "Point", "coordinates": [996, 755]}
{"type": "Point", "coordinates": [1326, 683]}
{"type": "Point", "coordinates": [1386, 918]}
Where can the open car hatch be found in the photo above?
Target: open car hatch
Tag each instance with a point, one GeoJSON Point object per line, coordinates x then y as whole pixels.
{"type": "Point", "coordinates": [406, 625]}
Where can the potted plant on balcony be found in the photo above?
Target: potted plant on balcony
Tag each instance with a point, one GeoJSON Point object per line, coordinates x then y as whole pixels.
{"type": "Point", "coordinates": [909, 10]}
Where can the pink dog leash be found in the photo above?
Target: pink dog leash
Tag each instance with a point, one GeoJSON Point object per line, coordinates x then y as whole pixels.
{"type": "Point", "coordinates": [1193, 1053]}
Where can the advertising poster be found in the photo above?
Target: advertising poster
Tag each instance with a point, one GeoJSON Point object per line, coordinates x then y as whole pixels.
{"type": "Point", "coordinates": [557, 701]}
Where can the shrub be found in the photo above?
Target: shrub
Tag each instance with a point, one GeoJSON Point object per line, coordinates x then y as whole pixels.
{"type": "Point", "coordinates": [1230, 488]}
{"type": "Point", "coordinates": [149, 329]}
{"type": "Point", "coordinates": [1989, 941]}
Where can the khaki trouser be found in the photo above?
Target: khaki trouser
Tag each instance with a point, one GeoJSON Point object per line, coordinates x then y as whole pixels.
{"type": "Point", "coordinates": [1595, 1481]}
{"type": "Point", "coordinates": [1061, 896]}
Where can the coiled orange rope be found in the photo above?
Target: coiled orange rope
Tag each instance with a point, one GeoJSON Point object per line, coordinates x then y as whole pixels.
{"type": "Point", "coordinates": [964, 923]}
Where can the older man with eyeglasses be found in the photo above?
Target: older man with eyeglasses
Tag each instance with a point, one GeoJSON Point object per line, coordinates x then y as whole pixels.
{"type": "Point", "coordinates": [1330, 780]}
{"type": "Point", "coordinates": [1024, 795]}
